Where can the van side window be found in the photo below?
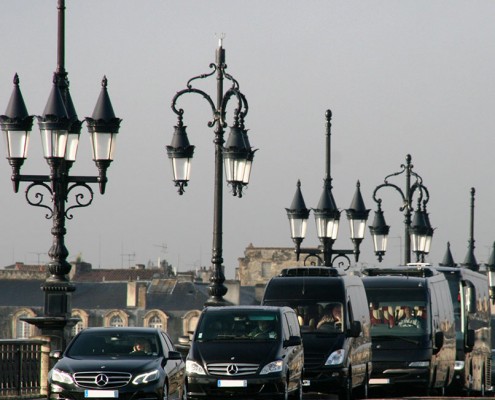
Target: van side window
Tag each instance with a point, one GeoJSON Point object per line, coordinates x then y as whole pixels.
{"type": "Point", "coordinates": [286, 327]}
{"type": "Point", "coordinates": [293, 324]}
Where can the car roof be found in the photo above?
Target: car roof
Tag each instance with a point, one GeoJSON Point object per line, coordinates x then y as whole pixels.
{"type": "Point", "coordinates": [245, 308]}
{"type": "Point", "coordinates": [124, 329]}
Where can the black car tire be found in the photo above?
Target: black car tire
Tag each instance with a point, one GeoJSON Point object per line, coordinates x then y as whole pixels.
{"type": "Point", "coordinates": [346, 392]}
{"type": "Point", "coordinates": [165, 391]}
{"type": "Point", "coordinates": [298, 393]}
{"type": "Point", "coordinates": [285, 394]}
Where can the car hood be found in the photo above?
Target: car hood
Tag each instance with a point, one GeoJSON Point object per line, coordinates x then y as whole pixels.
{"type": "Point", "coordinates": [116, 364]}
{"type": "Point", "coordinates": [245, 352]}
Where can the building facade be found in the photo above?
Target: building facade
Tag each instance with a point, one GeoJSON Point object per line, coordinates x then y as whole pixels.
{"type": "Point", "coordinates": [259, 264]}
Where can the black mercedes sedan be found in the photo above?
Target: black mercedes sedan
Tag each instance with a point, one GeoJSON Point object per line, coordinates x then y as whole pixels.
{"type": "Point", "coordinates": [118, 363]}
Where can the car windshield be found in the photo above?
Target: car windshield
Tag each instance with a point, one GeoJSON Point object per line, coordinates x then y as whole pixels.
{"type": "Point", "coordinates": [238, 325]}
{"type": "Point", "coordinates": [114, 344]}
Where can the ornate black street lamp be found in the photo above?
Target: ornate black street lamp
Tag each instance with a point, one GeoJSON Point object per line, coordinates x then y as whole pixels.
{"type": "Point", "coordinates": [60, 130]}
{"type": "Point", "coordinates": [418, 230]}
{"type": "Point", "coordinates": [327, 217]}
{"type": "Point", "coordinates": [237, 156]}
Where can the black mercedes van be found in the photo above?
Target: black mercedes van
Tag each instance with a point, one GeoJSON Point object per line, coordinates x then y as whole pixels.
{"type": "Point", "coordinates": [412, 328]}
{"type": "Point", "coordinates": [245, 352]}
{"type": "Point", "coordinates": [337, 349]}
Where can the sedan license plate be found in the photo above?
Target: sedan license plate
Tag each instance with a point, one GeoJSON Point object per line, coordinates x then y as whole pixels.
{"type": "Point", "coordinates": [101, 394]}
{"type": "Point", "coordinates": [231, 383]}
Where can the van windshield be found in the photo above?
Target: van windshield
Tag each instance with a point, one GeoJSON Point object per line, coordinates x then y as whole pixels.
{"type": "Point", "coordinates": [239, 325]}
{"type": "Point", "coordinates": [397, 312]}
{"type": "Point", "coordinates": [317, 316]}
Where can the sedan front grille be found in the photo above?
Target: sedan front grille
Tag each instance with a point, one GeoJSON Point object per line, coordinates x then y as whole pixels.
{"type": "Point", "coordinates": [232, 369]}
{"type": "Point", "coordinates": [102, 380]}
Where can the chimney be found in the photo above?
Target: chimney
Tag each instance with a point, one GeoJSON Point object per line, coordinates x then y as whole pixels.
{"type": "Point", "coordinates": [136, 294]}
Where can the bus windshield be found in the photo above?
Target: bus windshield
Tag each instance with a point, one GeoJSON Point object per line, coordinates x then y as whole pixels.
{"type": "Point", "coordinates": [397, 312]}
{"type": "Point", "coordinates": [317, 316]}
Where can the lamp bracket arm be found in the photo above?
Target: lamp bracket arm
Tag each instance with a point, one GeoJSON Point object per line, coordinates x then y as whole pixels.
{"type": "Point", "coordinates": [79, 197]}
{"type": "Point", "coordinates": [316, 255]}
{"type": "Point", "coordinates": [342, 252]}
{"type": "Point", "coordinates": [37, 198]}
{"type": "Point", "coordinates": [404, 169]}
{"type": "Point", "coordinates": [235, 84]}
{"type": "Point", "coordinates": [33, 178]}
{"type": "Point", "coordinates": [202, 76]}
{"type": "Point", "coordinates": [386, 184]}
{"type": "Point", "coordinates": [422, 189]}
{"type": "Point", "coordinates": [82, 179]}
{"type": "Point", "coordinates": [241, 104]}
{"type": "Point", "coordinates": [341, 263]}
{"type": "Point", "coordinates": [205, 95]}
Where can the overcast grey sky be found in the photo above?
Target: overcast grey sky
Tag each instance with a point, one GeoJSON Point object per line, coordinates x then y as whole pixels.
{"type": "Point", "coordinates": [400, 77]}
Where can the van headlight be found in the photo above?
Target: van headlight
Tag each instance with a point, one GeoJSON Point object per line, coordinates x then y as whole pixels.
{"type": "Point", "coordinates": [147, 377]}
{"type": "Point", "coordinates": [420, 364]}
{"type": "Point", "coordinates": [274, 366]}
{"type": "Point", "coordinates": [459, 365]}
{"type": "Point", "coordinates": [62, 377]}
{"type": "Point", "coordinates": [192, 367]}
{"type": "Point", "coordinates": [336, 358]}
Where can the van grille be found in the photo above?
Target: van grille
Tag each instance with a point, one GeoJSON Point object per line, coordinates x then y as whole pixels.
{"type": "Point", "coordinates": [232, 369]}
{"type": "Point", "coordinates": [99, 380]}
{"type": "Point", "coordinates": [313, 360]}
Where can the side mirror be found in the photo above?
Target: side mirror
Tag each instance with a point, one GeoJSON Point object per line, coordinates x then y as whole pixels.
{"type": "Point", "coordinates": [292, 341]}
{"type": "Point", "coordinates": [55, 354]}
{"type": "Point", "coordinates": [174, 355]}
{"type": "Point", "coordinates": [355, 330]}
{"type": "Point", "coordinates": [469, 340]}
{"type": "Point", "coordinates": [438, 342]}
{"type": "Point", "coordinates": [470, 299]}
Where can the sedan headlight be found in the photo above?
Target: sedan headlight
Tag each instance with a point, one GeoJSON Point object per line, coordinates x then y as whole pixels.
{"type": "Point", "coordinates": [192, 367]}
{"type": "Point", "coordinates": [147, 377]}
{"type": "Point", "coordinates": [336, 358]}
{"type": "Point", "coordinates": [274, 366]}
{"type": "Point", "coordinates": [62, 377]}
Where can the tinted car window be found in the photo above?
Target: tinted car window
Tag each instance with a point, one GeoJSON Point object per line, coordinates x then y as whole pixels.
{"type": "Point", "coordinates": [241, 325]}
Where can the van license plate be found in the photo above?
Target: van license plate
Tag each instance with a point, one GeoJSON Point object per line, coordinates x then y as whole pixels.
{"type": "Point", "coordinates": [101, 394]}
{"type": "Point", "coordinates": [231, 383]}
{"type": "Point", "coordinates": [306, 382]}
{"type": "Point", "coordinates": [379, 381]}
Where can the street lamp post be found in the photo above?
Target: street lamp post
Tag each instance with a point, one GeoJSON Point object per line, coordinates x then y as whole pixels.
{"type": "Point", "coordinates": [237, 155]}
{"type": "Point", "coordinates": [417, 229]}
{"type": "Point", "coordinates": [327, 217]}
{"type": "Point", "coordinates": [60, 130]}
{"type": "Point", "coordinates": [470, 259]}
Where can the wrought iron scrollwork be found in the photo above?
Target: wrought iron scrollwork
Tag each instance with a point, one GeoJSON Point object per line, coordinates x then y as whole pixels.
{"type": "Point", "coordinates": [37, 199]}
{"type": "Point", "coordinates": [79, 198]}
